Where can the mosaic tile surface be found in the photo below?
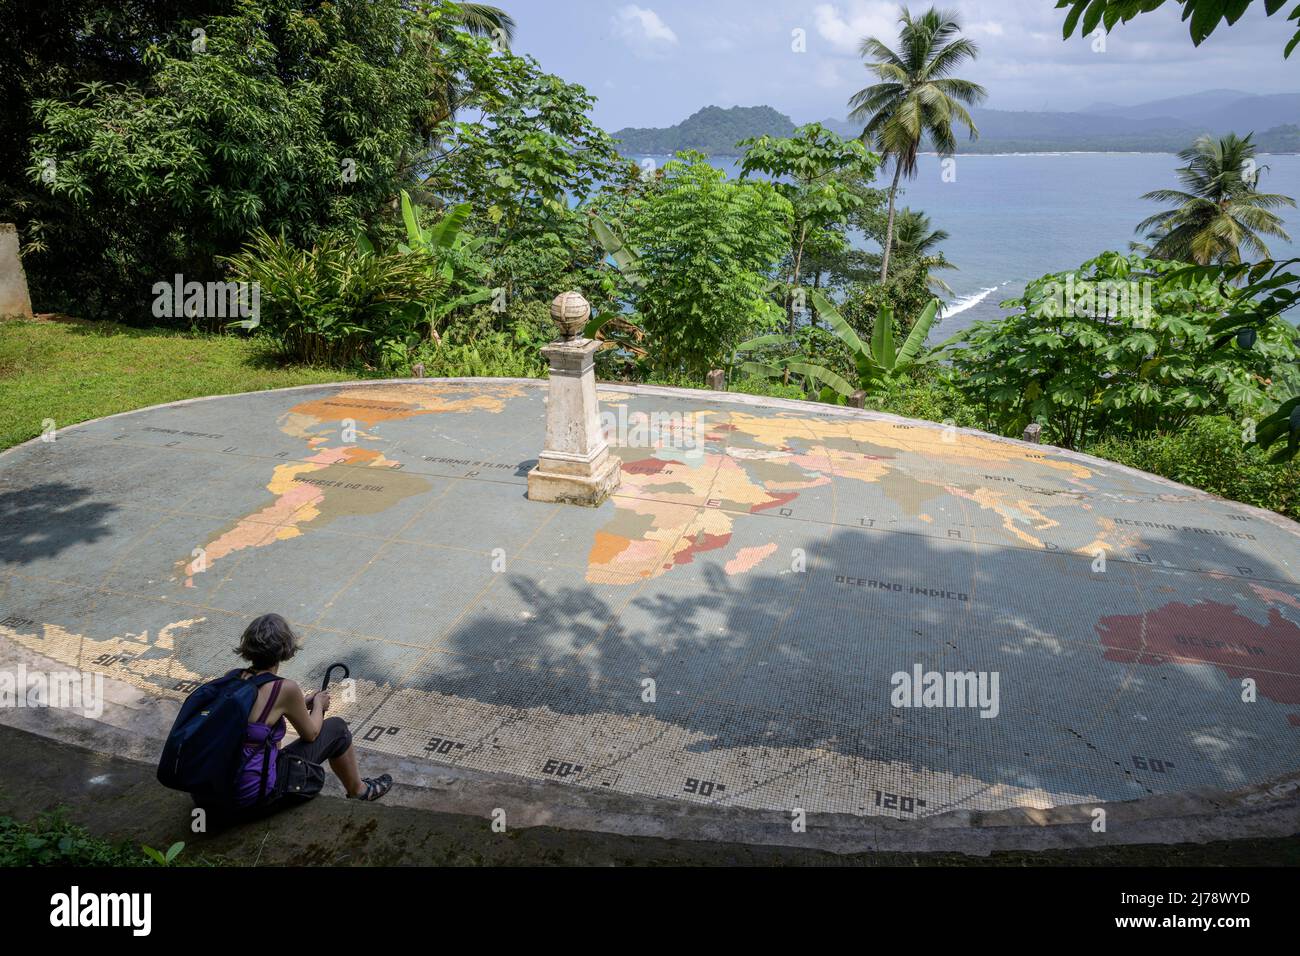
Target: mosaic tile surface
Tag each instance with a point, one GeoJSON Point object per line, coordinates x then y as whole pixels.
{"type": "Point", "coordinates": [727, 629]}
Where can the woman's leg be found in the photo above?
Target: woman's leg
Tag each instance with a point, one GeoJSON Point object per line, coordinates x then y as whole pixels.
{"type": "Point", "coordinates": [334, 744]}
{"type": "Point", "coordinates": [345, 768]}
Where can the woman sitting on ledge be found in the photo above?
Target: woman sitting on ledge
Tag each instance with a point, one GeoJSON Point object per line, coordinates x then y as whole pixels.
{"type": "Point", "coordinates": [269, 772]}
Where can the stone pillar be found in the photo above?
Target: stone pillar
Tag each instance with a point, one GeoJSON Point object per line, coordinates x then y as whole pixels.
{"type": "Point", "coordinates": [575, 466]}
{"type": "Point", "coordinates": [1034, 433]}
{"type": "Point", "coordinates": [14, 299]}
{"type": "Point", "coordinates": [717, 380]}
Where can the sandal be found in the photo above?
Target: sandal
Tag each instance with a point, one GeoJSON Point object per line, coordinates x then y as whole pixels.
{"type": "Point", "coordinates": [376, 787]}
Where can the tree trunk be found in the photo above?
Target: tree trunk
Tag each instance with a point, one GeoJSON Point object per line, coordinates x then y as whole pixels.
{"type": "Point", "coordinates": [794, 285]}
{"type": "Point", "coordinates": [889, 229]}
{"type": "Point", "coordinates": [817, 284]}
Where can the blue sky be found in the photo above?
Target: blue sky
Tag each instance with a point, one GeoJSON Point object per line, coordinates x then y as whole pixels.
{"type": "Point", "coordinates": [654, 62]}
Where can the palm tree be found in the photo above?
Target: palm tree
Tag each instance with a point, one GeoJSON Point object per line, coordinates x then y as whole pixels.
{"type": "Point", "coordinates": [917, 97]}
{"type": "Point", "coordinates": [445, 93]}
{"type": "Point", "coordinates": [484, 20]}
{"type": "Point", "coordinates": [915, 241]}
{"type": "Point", "coordinates": [913, 236]}
{"type": "Point", "coordinates": [1219, 209]}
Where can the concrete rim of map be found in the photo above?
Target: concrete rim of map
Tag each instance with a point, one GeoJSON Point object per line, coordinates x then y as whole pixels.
{"type": "Point", "coordinates": [891, 633]}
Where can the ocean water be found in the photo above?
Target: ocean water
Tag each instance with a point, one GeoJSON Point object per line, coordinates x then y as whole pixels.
{"type": "Point", "coordinates": [1015, 217]}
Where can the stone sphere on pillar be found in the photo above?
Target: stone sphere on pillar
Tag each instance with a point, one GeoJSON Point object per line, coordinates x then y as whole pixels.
{"type": "Point", "coordinates": [570, 311]}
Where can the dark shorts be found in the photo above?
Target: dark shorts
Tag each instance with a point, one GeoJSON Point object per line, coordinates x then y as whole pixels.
{"type": "Point", "coordinates": [299, 769]}
{"type": "Point", "coordinates": [333, 741]}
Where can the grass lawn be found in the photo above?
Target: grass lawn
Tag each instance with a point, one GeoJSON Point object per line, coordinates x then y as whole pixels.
{"type": "Point", "coordinates": [71, 371]}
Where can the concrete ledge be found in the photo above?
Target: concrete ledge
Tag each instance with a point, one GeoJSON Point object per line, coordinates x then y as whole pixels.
{"type": "Point", "coordinates": [133, 725]}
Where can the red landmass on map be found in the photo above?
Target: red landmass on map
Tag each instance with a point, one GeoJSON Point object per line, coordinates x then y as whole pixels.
{"type": "Point", "coordinates": [645, 466]}
{"type": "Point", "coordinates": [700, 543]}
{"type": "Point", "coordinates": [1211, 633]}
{"type": "Point", "coordinates": [774, 501]}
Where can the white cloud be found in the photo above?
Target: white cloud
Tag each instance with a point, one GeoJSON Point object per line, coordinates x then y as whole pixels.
{"type": "Point", "coordinates": [644, 31]}
{"type": "Point", "coordinates": [845, 31]}
{"type": "Point", "coordinates": [826, 74]}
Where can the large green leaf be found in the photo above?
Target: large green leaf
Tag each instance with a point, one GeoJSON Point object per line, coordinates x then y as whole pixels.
{"type": "Point", "coordinates": [882, 339]}
{"type": "Point", "coordinates": [414, 234]}
{"type": "Point", "coordinates": [842, 330]}
{"type": "Point", "coordinates": [920, 332]}
{"type": "Point", "coordinates": [444, 234]}
{"type": "Point", "coordinates": [596, 323]}
{"type": "Point", "coordinates": [761, 370]}
{"type": "Point", "coordinates": [823, 375]}
{"type": "Point", "coordinates": [623, 255]}
{"type": "Point", "coordinates": [763, 341]}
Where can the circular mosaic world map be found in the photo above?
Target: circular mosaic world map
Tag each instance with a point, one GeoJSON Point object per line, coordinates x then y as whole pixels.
{"type": "Point", "coordinates": [782, 606]}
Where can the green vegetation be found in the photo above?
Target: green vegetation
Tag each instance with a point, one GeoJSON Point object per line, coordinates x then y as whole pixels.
{"type": "Point", "coordinates": [824, 178]}
{"type": "Point", "coordinates": [273, 118]}
{"type": "Point", "coordinates": [449, 256]}
{"type": "Point", "coordinates": [73, 371]}
{"type": "Point", "coordinates": [1210, 453]}
{"type": "Point", "coordinates": [874, 369]}
{"type": "Point", "coordinates": [51, 840]}
{"type": "Point", "coordinates": [1120, 347]}
{"type": "Point", "coordinates": [1270, 290]}
{"type": "Point", "coordinates": [1280, 139]}
{"type": "Point", "coordinates": [336, 304]}
{"type": "Point", "coordinates": [712, 130]}
{"type": "Point", "coordinates": [484, 20]}
{"type": "Point", "coordinates": [916, 241]}
{"type": "Point", "coordinates": [1203, 16]}
{"type": "Point", "coordinates": [702, 248]}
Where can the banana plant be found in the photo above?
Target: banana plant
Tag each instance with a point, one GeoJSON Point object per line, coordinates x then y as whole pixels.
{"type": "Point", "coordinates": [625, 257]}
{"type": "Point", "coordinates": [879, 365]}
{"type": "Point", "coordinates": [616, 329]}
{"type": "Point", "coordinates": [453, 254]}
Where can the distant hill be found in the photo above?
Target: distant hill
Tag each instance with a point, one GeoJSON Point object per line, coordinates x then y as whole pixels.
{"type": "Point", "coordinates": [1280, 139]}
{"type": "Point", "coordinates": [1158, 126]}
{"type": "Point", "coordinates": [1013, 132]}
{"type": "Point", "coordinates": [1003, 131]}
{"type": "Point", "coordinates": [713, 130]}
{"type": "Point", "coordinates": [1188, 108]}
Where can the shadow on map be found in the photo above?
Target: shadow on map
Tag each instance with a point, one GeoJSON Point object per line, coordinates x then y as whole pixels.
{"type": "Point", "coordinates": [785, 660]}
{"type": "Point", "coordinates": [43, 521]}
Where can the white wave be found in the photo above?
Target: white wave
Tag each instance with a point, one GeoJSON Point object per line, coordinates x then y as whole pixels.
{"type": "Point", "coordinates": [968, 302]}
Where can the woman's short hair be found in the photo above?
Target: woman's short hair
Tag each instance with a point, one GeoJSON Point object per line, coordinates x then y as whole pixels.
{"type": "Point", "coordinates": [267, 641]}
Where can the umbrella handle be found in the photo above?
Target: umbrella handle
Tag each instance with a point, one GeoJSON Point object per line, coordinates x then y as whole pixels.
{"type": "Point", "coordinates": [331, 669]}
